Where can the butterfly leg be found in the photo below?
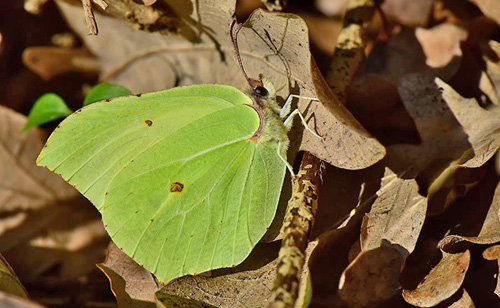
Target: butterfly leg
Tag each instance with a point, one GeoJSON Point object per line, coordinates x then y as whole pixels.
{"type": "Point", "coordinates": [282, 147]}
{"type": "Point", "coordinates": [289, 121]}
{"type": "Point", "coordinates": [285, 110]}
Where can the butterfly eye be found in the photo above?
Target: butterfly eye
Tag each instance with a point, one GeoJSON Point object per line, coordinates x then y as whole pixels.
{"type": "Point", "coordinates": [261, 91]}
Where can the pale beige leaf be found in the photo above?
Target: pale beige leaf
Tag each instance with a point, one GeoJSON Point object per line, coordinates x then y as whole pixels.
{"type": "Point", "coordinates": [442, 282]}
{"type": "Point", "coordinates": [441, 43]}
{"type": "Point", "coordinates": [408, 13]}
{"type": "Point", "coordinates": [372, 277]}
{"type": "Point", "coordinates": [9, 283]}
{"type": "Point", "coordinates": [272, 44]}
{"type": "Point", "coordinates": [463, 302]}
{"type": "Point", "coordinates": [492, 253]}
{"type": "Point", "coordinates": [490, 230]}
{"type": "Point", "coordinates": [247, 285]}
{"type": "Point", "coordinates": [44, 221]}
{"type": "Point", "coordinates": [132, 285]}
{"type": "Point", "coordinates": [490, 8]}
{"type": "Point", "coordinates": [397, 215]}
{"type": "Point", "coordinates": [11, 301]}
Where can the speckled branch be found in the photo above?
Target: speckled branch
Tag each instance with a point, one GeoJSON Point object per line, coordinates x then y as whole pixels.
{"type": "Point", "coordinates": [299, 219]}
{"type": "Point", "coordinates": [349, 51]}
{"type": "Point", "coordinates": [297, 225]}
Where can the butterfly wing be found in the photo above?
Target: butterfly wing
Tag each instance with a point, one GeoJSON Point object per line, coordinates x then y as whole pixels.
{"type": "Point", "coordinates": [180, 185]}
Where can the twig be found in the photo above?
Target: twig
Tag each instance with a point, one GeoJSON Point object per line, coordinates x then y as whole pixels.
{"type": "Point", "coordinates": [89, 17]}
{"type": "Point", "coordinates": [301, 210]}
{"type": "Point", "coordinates": [297, 225]}
{"type": "Point", "coordinates": [349, 51]}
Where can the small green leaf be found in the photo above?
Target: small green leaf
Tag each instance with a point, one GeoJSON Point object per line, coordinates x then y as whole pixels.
{"type": "Point", "coordinates": [47, 108]}
{"type": "Point", "coordinates": [104, 91]}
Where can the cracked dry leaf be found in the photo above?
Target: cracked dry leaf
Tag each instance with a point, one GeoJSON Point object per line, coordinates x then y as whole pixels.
{"type": "Point", "coordinates": [273, 44]}
{"type": "Point", "coordinates": [457, 136]}
{"type": "Point", "coordinates": [11, 301]}
{"type": "Point", "coordinates": [463, 302]}
{"type": "Point", "coordinates": [44, 221]}
{"type": "Point", "coordinates": [441, 43]}
{"type": "Point", "coordinates": [442, 282]}
{"type": "Point", "coordinates": [490, 8]}
{"type": "Point", "coordinates": [490, 230]}
{"type": "Point", "coordinates": [9, 282]}
{"type": "Point", "coordinates": [132, 285]}
{"type": "Point", "coordinates": [389, 233]}
{"type": "Point", "coordinates": [247, 285]}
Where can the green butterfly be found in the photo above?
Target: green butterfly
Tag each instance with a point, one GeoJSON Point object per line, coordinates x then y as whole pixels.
{"type": "Point", "coordinates": [186, 179]}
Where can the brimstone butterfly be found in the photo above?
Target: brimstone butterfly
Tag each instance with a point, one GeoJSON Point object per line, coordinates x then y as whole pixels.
{"type": "Point", "coordinates": [186, 179]}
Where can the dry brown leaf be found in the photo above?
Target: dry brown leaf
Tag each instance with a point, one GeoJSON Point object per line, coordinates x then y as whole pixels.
{"type": "Point", "coordinates": [9, 283]}
{"type": "Point", "coordinates": [273, 44]}
{"type": "Point", "coordinates": [372, 277]}
{"type": "Point", "coordinates": [408, 13]}
{"type": "Point", "coordinates": [492, 253]}
{"type": "Point", "coordinates": [490, 84]}
{"type": "Point", "coordinates": [463, 302]}
{"type": "Point", "coordinates": [49, 62]}
{"type": "Point", "coordinates": [44, 221]}
{"type": "Point", "coordinates": [132, 285]}
{"type": "Point", "coordinates": [456, 134]}
{"type": "Point", "coordinates": [389, 234]}
{"type": "Point", "coordinates": [396, 216]}
{"type": "Point", "coordinates": [442, 282]}
{"type": "Point", "coordinates": [490, 230]}
{"type": "Point", "coordinates": [441, 43]}
{"type": "Point", "coordinates": [490, 8]}
{"type": "Point", "coordinates": [497, 288]}
{"type": "Point", "coordinates": [11, 301]}
{"type": "Point", "coordinates": [247, 285]}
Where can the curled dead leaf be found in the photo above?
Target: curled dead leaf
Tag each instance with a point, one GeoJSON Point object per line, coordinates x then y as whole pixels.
{"type": "Point", "coordinates": [272, 44]}
{"type": "Point", "coordinates": [132, 285]}
{"type": "Point", "coordinates": [490, 230]}
{"type": "Point", "coordinates": [49, 62]}
{"type": "Point", "coordinates": [442, 282]}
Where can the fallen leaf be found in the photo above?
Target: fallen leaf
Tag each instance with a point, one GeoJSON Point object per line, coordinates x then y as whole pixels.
{"type": "Point", "coordinates": [9, 283]}
{"type": "Point", "coordinates": [132, 285]}
{"type": "Point", "coordinates": [442, 282]}
{"type": "Point", "coordinates": [247, 285]}
{"type": "Point", "coordinates": [492, 253]}
{"type": "Point", "coordinates": [11, 301]}
{"type": "Point", "coordinates": [49, 62]}
{"type": "Point", "coordinates": [389, 233]}
{"type": "Point", "coordinates": [490, 8]}
{"type": "Point", "coordinates": [490, 230]}
{"type": "Point", "coordinates": [272, 44]}
{"type": "Point", "coordinates": [441, 43]}
{"type": "Point", "coordinates": [408, 13]}
{"type": "Point", "coordinates": [463, 302]}
{"type": "Point", "coordinates": [44, 221]}
{"type": "Point", "coordinates": [396, 216]}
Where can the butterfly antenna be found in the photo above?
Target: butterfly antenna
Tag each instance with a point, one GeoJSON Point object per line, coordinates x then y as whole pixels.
{"type": "Point", "coordinates": [234, 30]}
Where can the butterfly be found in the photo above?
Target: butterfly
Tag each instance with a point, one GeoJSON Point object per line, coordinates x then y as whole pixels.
{"type": "Point", "coordinates": [186, 179]}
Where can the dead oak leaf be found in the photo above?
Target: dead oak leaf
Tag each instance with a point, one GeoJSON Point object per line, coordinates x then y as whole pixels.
{"type": "Point", "coordinates": [442, 281]}
{"type": "Point", "coordinates": [273, 44]}
{"type": "Point", "coordinates": [132, 285]}
{"type": "Point", "coordinates": [490, 230]}
{"type": "Point", "coordinates": [9, 282]}
{"type": "Point", "coordinates": [389, 233]}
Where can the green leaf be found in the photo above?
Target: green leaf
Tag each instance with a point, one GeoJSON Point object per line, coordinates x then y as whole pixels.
{"type": "Point", "coordinates": [47, 108]}
{"type": "Point", "coordinates": [104, 91]}
{"type": "Point", "coordinates": [185, 179]}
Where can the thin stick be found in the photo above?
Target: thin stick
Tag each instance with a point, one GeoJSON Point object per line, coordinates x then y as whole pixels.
{"type": "Point", "coordinates": [301, 209]}
{"type": "Point", "coordinates": [297, 225]}
{"type": "Point", "coordinates": [89, 17]}
{"type": "Point", "coordinates": [101, 3]}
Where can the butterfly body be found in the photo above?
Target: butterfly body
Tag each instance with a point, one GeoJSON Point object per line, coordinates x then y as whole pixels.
{"type": "Point", "coordinates": [186, 179]}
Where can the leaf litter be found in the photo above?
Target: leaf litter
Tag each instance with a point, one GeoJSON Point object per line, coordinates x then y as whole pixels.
{"type": "Point", "coordinates": [396, 229]}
